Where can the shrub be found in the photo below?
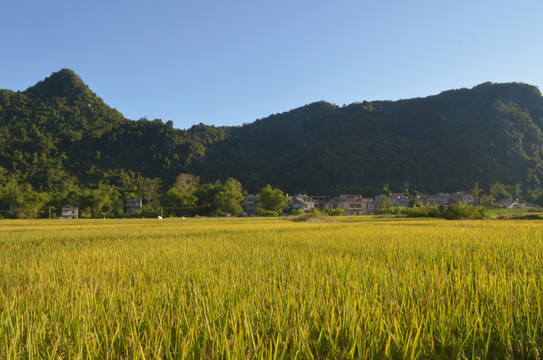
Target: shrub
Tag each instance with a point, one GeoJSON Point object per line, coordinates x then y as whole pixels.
{"type": "Point", "coordinates": [315, 213]}
{"type": "Point", "coordinates": [452, 212]}
{"type": "Point", "coordinates": [333, 212]}
{"type": "Point", "coordinates": [267, 213]}
{"type": "Point", "coordinates": [393, 210]}
{"type": "Point", "coordinates": [423, 211]}
{"type": "Point", "coordinates": [314, 216]}
{"type": "Point", "coordinates": [464, 211]}
{"type": "Point", "coordinates": [296, 212]}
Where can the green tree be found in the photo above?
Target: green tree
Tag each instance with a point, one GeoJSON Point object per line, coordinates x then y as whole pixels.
{"type": "Point", "coordinates": [22, 199]}
{"type": "Point", "coordinates": [515, 191]}
{"type": "Point", "coordinates": [115, 205]}
{"type": "Point", "coordinates": [187, 182]}
{"type": "Point", "coordinates": [94, 200]}
{"type": "Point", "coordinates": [9, 193]}
{"type": "Point", "coordinates": [229, 197]}
{"type": "Point", "coordinates": [386, 189]}
{"type": "Point", "coordinates": [535, 197]}
{"type": "Point", "coordinates": [149, 189]}
{"type": "Point", "coordinates": [69, 195]}
{"type": "Point", "coordinates": [205, 194]}
{"type": "Point", "coordinates": [180, 200]}
{"type": "Point", "coordinates": [30, 204]}
{"type": "Point", "coordinates": [500, 191]}
{"type": "Point", "coordinates": [384, 202]}
{"type": "Point", "coordinates": [220, 198]}
{"type": "Point", "coordinates": [272, 199]}
{"type": "Point", "coordinates": [476, 191]}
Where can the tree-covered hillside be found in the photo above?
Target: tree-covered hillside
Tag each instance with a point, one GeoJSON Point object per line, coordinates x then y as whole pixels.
{"type": "Point", "coordinates": [59, 132]}
{"type": "Point", "coordinates": [441, 143]}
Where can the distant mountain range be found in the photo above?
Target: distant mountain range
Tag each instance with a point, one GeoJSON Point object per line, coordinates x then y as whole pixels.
{"type": "Point", "coordinates": [59, 131]}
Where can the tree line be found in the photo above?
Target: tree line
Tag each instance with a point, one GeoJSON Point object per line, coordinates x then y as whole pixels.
{"type": "Point", "coordinates": [186, 197]}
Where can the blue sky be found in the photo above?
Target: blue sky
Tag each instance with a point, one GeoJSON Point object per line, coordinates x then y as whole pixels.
{"type": "Point", "coordinates": [232, 62]}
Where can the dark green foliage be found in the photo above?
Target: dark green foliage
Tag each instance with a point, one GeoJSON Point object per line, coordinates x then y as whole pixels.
{"type": "Point", "coordinates": [501, 191]}
{"type": "Point", "coordinates": [58, 131]}
{"type": "Point", "coordinates": [441, 143]}
{"type": "Point", "coordinates": [220, 199]}
{"type": "Point", "coordinates": [392, 210]}
{"type": "Point", "coordinates": [464, 212]}
{"type": "Point", "coordinates": [94, 200]}
{"type": "Point", "coordinates": [296, 212]}
{"type": "Point", "coordinates": [271, 199]}
{"type": "Point", "coordinates": [58, 135]}
{"type": "Point", "coordinates": [229, 197]}
{"type": "Point", "coordinates": [179, 201]}
{"type": "Point", "coordinates": [452, 212]}
{"type": "Point", "coordinates": [424, 211]}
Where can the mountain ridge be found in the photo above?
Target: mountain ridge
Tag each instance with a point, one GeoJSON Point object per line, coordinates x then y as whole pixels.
{"type": "Point", "coordinates": [59, 130]}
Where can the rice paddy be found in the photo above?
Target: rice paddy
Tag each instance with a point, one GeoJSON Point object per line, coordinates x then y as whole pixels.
{"type": "Point", "coordinates": [231, 288]}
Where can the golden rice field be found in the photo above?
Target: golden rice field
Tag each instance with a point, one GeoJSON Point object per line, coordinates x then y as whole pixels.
{"type": "Point", "coordinates": [271, 289]}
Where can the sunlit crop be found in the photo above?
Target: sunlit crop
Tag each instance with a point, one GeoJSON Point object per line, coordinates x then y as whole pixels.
{"type": "Point", "coordinates": [270, 288]}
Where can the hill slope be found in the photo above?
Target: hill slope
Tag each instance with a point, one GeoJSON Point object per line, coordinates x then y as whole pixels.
{"type": "Point", "coordinates": [59, 131]}
{"type": "Point", "coordinates": [445, 142]}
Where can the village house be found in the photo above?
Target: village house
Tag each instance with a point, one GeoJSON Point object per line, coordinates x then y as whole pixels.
{"type": "Point", "coordinates": [423, 199]}
{"type": "Point", "coordinates": [446, 198]}
{"type": "Point", "coordinates": [320, 202]}
{"type": "Point", "coordinates": [510, 203]}
{"type": "Point", "coordinates": [354, 204]}
{"type": "Point", "coordinates": [300, 201]}
{"type": "Point", "coordinates": [249, 205]}
{"type": "Point", "coordinates": [70, 212]}
{"type": "Point", "coordinates": [436, 199]}
{"type": "Point", "coordinates": [133, 205]}
{"type": "Point", "coordinates": [399, 199]}
{"type": "Point", "coordinates": [516, 204]}
{"type": "Point", "coordinates": [462, 197]}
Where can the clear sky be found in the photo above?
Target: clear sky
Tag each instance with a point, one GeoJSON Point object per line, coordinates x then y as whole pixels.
{"type": "Point", "coordinates": [232, 62]}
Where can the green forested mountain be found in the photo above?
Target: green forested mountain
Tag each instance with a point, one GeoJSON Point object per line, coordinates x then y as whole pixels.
{"type": "Point", "coordinates": [440, 143]}
{"type": "Point", "coordinates": [59, 132]}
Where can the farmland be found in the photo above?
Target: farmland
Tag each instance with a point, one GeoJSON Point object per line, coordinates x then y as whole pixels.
{"type": "Point", "coordinates": [271, 288]}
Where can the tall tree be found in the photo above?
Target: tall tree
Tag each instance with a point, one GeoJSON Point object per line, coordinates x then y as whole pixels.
{"type": "Point", "coordinates": [476, 191]}
{"type": "Point", "coordinates": [229, 197]}
{"type": "Point", "coordinates": [499, 191]}
{"type": "Point", "coordinates": [149, 190]}
{"type": "Point", "coordinates": [187, 182]}
{"type": "Point", "coordinates": [180, 201]}
{"type": "Point", "coordinates": [272, 199]}
{"type": "Point", "coordinates": [94, 200]}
